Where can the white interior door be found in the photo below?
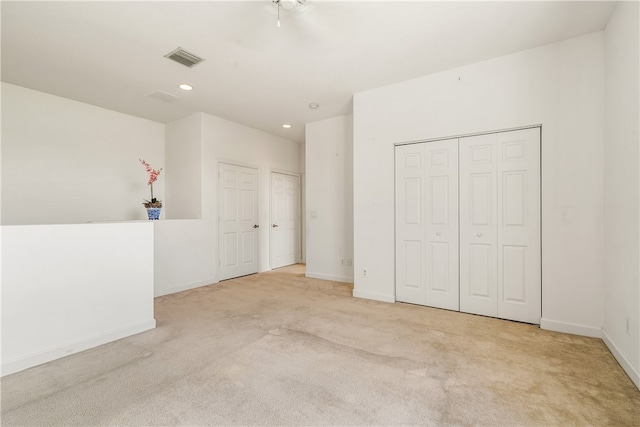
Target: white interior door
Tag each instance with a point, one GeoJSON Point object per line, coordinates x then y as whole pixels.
{"type": "Point", "coordinates": [519, 257]}
{"type": "Point", "coordinates": [500, 260]}
{"type": "Point", "coordinates": [410, 224]}
{"type": "Point", "coordinates": [285, 219]}
{"type": "Point", "coordinates": [478, 229]}
{"type": "Point", "coordinates": [441, 209]}
{"type": "Point", "coordinates": [427, 224]}
{"type": "Point", "coordinates": [238, 221]}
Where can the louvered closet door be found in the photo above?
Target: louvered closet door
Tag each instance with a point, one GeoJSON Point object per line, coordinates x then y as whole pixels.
{"type": "Point", "coordinates": [500, 264]}
{"type": "Point", "coordinates": [410, 224]}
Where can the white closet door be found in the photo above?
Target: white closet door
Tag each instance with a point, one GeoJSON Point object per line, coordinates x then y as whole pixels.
{"type": "Point", "coordinates": [478, 228]}
{"type": "Point", "coordinates": [468, 224]}
{"type": "Point", "coordinates": [441, 206]}
{"type": "Point", "coordinates": [410, 224]}
{"type": "Point", "coordinates": [519, 259]}
{"type": "Point", "coordinates": [500, 261]}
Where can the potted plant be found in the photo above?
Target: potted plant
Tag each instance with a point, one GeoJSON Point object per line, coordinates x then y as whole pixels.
{"type": "Point", "coordinates": [154, 205]}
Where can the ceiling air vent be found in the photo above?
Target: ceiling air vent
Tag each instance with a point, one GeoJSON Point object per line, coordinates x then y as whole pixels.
{"type": "Point", "coordinates": [187, 59]}
{"type": "Point", "coordinates": [163, 96]}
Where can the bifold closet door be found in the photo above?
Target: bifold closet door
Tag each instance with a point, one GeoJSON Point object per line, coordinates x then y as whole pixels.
{"type": "Point", "coordinates": [500, 261]}
{"type": "Point", "coordinates": [427, 224]}
{"type": "Point", "coordinates": [410, 229]}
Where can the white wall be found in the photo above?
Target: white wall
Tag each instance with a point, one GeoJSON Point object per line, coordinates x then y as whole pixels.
{"type": "Point", "coordinates": [183, 152]}
{"type": "Point", "coordinates": [184, 255]}
{"type": "Point", "coordinates": [187, 250]}
{"type": "Point", "coordinates": [66, 162]}
{"type": "Point", "coordinates": [66, 288]}
{"type": "Point", "coordinates": [560, 86]}
{"type": "Point", "coordinates": [329, 203]}
{"type": "Point", "coordinates": [228, 141]}
{"type": "Point", "coordinates": [622, 189]}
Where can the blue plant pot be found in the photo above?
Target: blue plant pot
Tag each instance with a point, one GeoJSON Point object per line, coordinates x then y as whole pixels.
{"type": "Point", "coordinates": [153, 213]}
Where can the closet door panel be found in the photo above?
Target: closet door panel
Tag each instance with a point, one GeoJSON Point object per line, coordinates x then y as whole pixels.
{"type": "Point", "coordinates": [519, 260]}
{"type": "Point", "coordinates": [478, 228]}
{"type": "Point", "coordinates": [468, 224]}
{"type": "Point", "coordinates": [442, 270]}
{"type": "Point", "coordinates": [410, 224]}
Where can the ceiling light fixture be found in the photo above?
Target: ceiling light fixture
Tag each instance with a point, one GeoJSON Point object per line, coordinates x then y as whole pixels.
{"type": "Point", "coordinates": [185, 86]}
{"type": "Point", "coordinates": [314, 106]}
{"type": "Point", "coordinates": [286, 126]}
{"type": "Point", "coordinates": [287, 5]}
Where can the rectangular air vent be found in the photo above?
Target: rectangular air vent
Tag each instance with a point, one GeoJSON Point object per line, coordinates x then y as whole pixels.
{"type": "Point", "coordinates": [163, 96]}
{"type": "Point", "coordinates": [187, 59]}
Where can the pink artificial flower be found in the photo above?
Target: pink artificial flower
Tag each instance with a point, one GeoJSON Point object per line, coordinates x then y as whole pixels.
{"type": "Point", "coordinates": [153, 173]}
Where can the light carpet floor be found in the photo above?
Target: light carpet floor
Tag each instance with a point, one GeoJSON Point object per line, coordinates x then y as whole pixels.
{"type": "Point", "coordinates": [280, 349]}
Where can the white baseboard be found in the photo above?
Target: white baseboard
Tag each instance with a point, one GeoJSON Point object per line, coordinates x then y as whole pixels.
{"type": "Point", "coordinates": [45, 356]}
{"type": "Point", "coordinates": [344, 279]}
{"type": "Point", "coordinates": [622, 360]}
{"type": "Point", "coordinates": [570, 328]}
{"type": "Point", "coordinates": [184, 287]}
{"type": "Point", "coordinates": [374, 296]}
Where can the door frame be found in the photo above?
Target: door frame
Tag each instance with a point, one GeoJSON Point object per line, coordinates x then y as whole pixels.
{"type": "Point", "coordinates": [465, 135]}
{"type": "Point", "coordinates": [487, 132]}
{"type": "Point", "coordinates": [299, 220]}
{"type": "Point", "coordinates": [217, 227]}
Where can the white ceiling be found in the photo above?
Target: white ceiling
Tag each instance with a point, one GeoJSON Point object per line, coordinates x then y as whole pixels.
{"type": "Point", "coordinates": [111, 54]}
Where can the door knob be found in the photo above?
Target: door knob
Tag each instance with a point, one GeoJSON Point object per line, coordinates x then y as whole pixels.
{"type": "Point", "coordinates": [274, 225]}
{"type": "Point", "coordinates": [256, 226]}
{"type": "Point", "coordinates": [437, 233]}
{"type": "Point", "coordinates": [479, 234]}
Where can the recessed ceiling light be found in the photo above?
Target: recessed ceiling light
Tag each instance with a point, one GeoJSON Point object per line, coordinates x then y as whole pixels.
{"type": "Point", "coordinates": [314, 106]}
{"type": "Point", "coordinates": [185, 87]}
{"type": "Point", "coordinates": [286, 126]}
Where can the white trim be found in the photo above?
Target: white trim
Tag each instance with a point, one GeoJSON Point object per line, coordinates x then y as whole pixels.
{"type": "Point", "coordinates": [285, 172]}
{"type": "Point", "coordinates": [466, 135]}
{"type": "Point", "coordinates": [570, 328]}
{"type": "Point", "coordinates": [374, 296]}
{"type": "Point", "coordinates": [39, 358]}
{"type": "Point", "coordinates": [634, 375]}
{"type": "Point", "coordinates": [184, 287]}
{"type": "Point", "coordinates": [344, 279]}
{"type": "Point", "coordinates": [235, 163]}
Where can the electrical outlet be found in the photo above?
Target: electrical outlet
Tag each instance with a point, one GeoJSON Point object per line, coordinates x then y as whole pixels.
{"type": "Point", "coordinates": [628, 326]}
{"type": "Point", "coordinates": [364, 272]}
{"type": "Point", "coordinates": [350, 262]}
